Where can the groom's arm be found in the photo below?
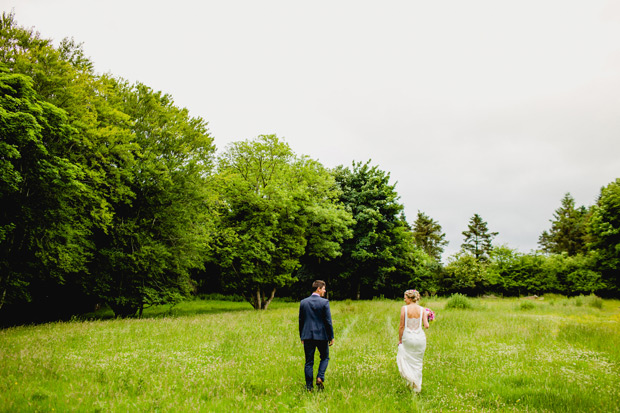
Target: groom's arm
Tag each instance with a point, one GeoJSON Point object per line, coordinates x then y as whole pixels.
{"type": "Point", "coordinates": [301, 321]}
{"type": "Point", "coordinates": [328, 324]}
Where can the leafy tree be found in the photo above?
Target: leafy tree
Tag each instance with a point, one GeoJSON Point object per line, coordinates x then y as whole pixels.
{"type": "Point", "coordinates": [478, 238]}
{"type": "Point", "coordinates": [160, 232]}
{"type": "Point", "coordinates": [413, 267]}
{"type": "Point", "coordinates": [274, 208]}
{"type": "Point", "coordinates": [513, 273]}
{"type": "Point", "coordinates": [44, 223]}
{"type": "Point", "coordinates": [370, 258]}
{"type": "Point", "coordinates": [604, 230]}
{"type": "Point", "coordinates": [429, 236]}
{"type": "Point", "coordinates": [568, 229]}
{"type": "Point", "coordinates": [464, 274]}
{"type": "Point", "coordinates": [99, 145]}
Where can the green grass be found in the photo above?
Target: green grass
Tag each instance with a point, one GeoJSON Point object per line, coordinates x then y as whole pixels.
{"type": "Point", "coordinates": [223, 356]}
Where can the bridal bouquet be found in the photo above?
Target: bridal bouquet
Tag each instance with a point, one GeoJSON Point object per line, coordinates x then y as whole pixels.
{"type": "Point", "coordinates": [431, 314]}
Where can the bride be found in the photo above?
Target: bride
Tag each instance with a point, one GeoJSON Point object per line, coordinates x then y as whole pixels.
{"type": "Point", "coordinates": [412, 340]}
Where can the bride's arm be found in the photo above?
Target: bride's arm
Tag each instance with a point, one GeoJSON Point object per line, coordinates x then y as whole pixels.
{"type": "Point", "coordinates": [425, 318]}
{"type": "Point", "coordinates": [402, 325]}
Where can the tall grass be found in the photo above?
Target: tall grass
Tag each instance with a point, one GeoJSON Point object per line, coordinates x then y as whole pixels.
{"type": "Point", "coordinates": [223, 356]}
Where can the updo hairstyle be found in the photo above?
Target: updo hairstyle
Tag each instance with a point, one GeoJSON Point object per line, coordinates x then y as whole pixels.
{"type": "Point", "coordinates": [414, 295]}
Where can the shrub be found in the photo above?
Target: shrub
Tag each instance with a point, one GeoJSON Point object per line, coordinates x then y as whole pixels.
{"type": "Point", "coordinates": [579, 301]}
{"type": "Point", "coordinates": [596, 302]}
{"type": "Point", "coordinates": [527, 305]}
{"type": "Point", "coordinates": [459, 301]}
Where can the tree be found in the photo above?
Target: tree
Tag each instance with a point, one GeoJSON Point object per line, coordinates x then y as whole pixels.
{"type": "Point", "coordinates": [99, 147]}
{"type": "Point", "coordinates": [108, 181]}
{"type": "Point", "coordinates": [428, 236]}
{"type": "Point", "coordinates": [371, 256]}
{"type": "Point", "coordinates": [273, 208]}
{"type": "Point", "coordinates": [44, 221]}
{"type": "Point", "coordinates": [604, 230]}
{"type": "Point", "coordinates": [568, 229]}
{"type": "Point", "coordinates": [160, 231]}
{"type": "Point", "coordinates": [465, 274]}
{"type": "Point", "coordinates": [478, 238]}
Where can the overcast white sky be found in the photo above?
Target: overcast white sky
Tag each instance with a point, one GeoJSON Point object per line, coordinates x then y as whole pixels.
{"type": "Point", "coordinates": [495, 107]}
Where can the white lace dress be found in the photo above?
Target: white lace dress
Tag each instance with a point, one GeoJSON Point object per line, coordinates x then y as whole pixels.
{"type": "Point", "coordinates": [411, 351]}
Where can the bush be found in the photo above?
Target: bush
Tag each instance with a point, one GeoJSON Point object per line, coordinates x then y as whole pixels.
{"type": "Point", "coordinates": [579, 301]}
{"type": "Point", "coordinates": [527, 305]}
{"type": "Point", "coordinates": [459, 301]}
{"type": "Point", "coordinates": [596, 302]}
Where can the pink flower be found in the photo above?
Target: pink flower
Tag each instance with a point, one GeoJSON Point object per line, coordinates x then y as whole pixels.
{"type": "Point", "coordinates": [431, 314]}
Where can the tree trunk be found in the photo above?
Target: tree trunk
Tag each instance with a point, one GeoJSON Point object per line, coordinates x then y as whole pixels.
{"type": "Point", "coordinates": [3, 298]}
{"type": "Point", "coordinates": [267, 302]}
{"type": "Point", "coordinates": [359, 288]}
{"type": "Point", "coordinates": [257, 300]}
{"type": "Point", "coordinates": [6, 283]}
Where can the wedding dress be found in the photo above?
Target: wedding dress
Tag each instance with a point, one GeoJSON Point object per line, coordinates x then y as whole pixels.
{"type": "Point", "coordinates": [411, 351]}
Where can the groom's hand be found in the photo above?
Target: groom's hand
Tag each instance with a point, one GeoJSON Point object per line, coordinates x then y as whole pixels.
{"type": "Point", "coordinates": [331, 343]}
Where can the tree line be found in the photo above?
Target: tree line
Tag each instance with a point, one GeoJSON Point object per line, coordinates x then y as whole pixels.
{"type": "Point", "coordinates": [111, 194]}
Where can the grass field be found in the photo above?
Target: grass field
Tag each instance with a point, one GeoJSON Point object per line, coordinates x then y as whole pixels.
{"type": "Point", "coordinates": [559, 354]}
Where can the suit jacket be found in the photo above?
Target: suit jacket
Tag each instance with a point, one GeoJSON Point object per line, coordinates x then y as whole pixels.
{"type": "Point", "coordinates": [315, 319]}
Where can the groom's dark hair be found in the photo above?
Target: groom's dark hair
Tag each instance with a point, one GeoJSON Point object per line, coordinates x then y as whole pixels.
{"type": "Point", "coordinates": [317, 284]}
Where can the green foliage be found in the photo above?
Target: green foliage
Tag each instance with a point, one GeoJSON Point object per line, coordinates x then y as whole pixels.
{"type": "Point", "coordinates": [465, 273]}
{"type": "Point", "coordinates": [516, 273]}
{"type": "Point", "coordinates": [527, 305]}
{"type": "Point", "coordinates": [568, 229]}
{"type": "Point", "coordinates": [381, 256]}
{"type": "Point", "coordinates": [459, 301]}
{"type": "Point", "coordinates": [604, 231]}
{"type": "Point", "coordinates": [429, 236]}
{"type": "Point", "coordinates": [274, 208]}
{"type": "Point", "coordinates": [478, 238]}
{"type": "Point", "coordinates": [108, 181]}
{"type": "Point", "coordinates": [160, 233]}
{"type": "Point", "coordinates": [45, 202]}
{"type": "Point", "coordinates": [594, 301]}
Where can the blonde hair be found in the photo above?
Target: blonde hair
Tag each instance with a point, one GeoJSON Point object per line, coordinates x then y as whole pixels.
{"type": "Point", "coordinates": [414, 295]}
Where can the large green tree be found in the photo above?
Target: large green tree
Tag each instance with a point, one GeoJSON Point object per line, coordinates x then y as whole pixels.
{"type": "Point", "coordinates": [99, 147]}
{"type": "Point", "coordinates": [273, 208]}
{"type": "Point", "coordinates": [568, 229]}
{"type": "Point", "coordinates": [374, 255]}
{"type": "Point", "coordinates": [44, 219]}
{"type": "Point", "coordinates": [160, 232]}
{"type": "Point", "coordinates": [478, 238]}
{"type": "Point", "coordinates": [141, 165]}
{"type": "Point", "coordinates": [429, 236]}
{"type": "Point", "coordinates": [604, 230]}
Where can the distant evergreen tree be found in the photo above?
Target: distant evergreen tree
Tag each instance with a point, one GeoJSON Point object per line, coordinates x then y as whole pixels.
{"type": "Point", "coordinates": [568, 229]}
{"type": "Point", "coordinates": [428, 236]}
{"type": "Point", "coordinates": [478, 238]}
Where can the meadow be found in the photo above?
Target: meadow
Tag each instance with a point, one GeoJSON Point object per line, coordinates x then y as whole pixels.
{"type": "Point", "coordinates": [558, 355]}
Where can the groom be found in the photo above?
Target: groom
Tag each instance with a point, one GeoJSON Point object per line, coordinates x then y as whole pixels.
{"type": "Point", "coordinates": [316, 332]}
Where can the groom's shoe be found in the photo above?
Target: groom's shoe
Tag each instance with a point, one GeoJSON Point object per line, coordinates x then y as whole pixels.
{"type": "Point", "coordinates": [319, 384]}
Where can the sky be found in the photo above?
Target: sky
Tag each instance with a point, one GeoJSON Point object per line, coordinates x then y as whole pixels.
{"type": "Point", "coordinates": [491, 107]}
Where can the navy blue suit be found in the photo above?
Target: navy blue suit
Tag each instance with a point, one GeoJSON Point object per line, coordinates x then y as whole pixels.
{"type": "Point", "coordinates": [315, 330]}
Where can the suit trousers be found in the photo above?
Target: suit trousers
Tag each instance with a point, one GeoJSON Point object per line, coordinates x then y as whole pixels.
{"type": "Point", "coordinates": [309, 348]}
